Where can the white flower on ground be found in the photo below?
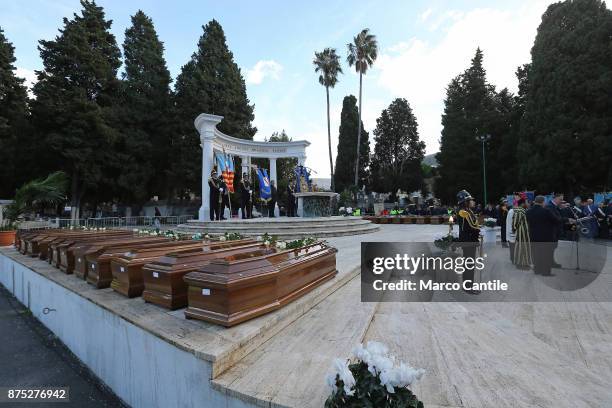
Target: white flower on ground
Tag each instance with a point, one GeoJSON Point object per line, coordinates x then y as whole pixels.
{"type": "Point", "coordinates": [266, 243]}
{"type": "Point", "coordinates": [379, 363]}
{"type": "Point", "coordinates": [408, 375]}
{"type": "Point", "coordinates": [206, 236]}
{"type": "Point", "coordinates": [343, 371]}
{"type": "Point", "coordinates": [222, 238]}
{"type": "Point", "coordinates": [360, 353]}
{"type": "Point", "coordinates": [281, 245]}
{"type": "Point", "coordinates": [330, 379]}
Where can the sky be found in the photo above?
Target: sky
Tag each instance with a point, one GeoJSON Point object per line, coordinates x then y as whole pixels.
{"type": "Point", "coordinates": [422, 46]}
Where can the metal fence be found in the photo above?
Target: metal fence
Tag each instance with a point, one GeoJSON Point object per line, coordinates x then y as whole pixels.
{"type": "Point", "coordinates": [162, 222]}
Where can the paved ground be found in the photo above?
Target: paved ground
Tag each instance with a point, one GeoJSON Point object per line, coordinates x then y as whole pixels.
{"type": "Point", "coordinates": [31, 356]}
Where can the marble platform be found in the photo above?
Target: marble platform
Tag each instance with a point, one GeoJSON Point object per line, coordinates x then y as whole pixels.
{"type": "Point", "coordinates": [521, 354]}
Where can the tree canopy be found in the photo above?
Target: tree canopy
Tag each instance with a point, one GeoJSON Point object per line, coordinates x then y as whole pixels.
{"type": "Point", "coordinates": [347, 140]}
{"type": "Point", "coordinates": [565, 142]}
{"type": "Point", "coordinates": [398, 151]}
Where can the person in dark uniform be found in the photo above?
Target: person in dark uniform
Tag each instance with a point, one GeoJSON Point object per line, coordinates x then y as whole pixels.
{"type": "Point", "coordinates": [560, 222]}
{"type": "Point", "coordinates": [569, 229]}
{"type": "Point", "coordinates": [273, 199]}
{"type": "Point", "coordinates": [501, 220]}
{"type": "Point", "coordinates": [543, 231]}
{"type": "Point", "coordinates": [246, 197]}
{"type": "Point", "coordinates": [469, 233]}
{"type": "Point", "coordinates": [223, 197]}
{"type": "Point", "coordinates": [290, 200]}
{"type": "Point", "coordinates": [213, 197]}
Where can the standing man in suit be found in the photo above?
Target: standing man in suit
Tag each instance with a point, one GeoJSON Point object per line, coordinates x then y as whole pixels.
{"type": "Point", "coordinates": [469, 233]}
{"type": "Point", "coordinates": [213, 197]}
{"type": "Point", "coordinates": [246, 197]}
{"type": "Point", "coordinates": [273, 198]}
{"type": "Point", "coordinates": [502, 215]}
{"type": "Point", "coordinates": [290, 200]}
{"type": "Point", "coordinates": [223, 198]}
{"type": "Point", "coordinates": [560, 222]}
{"type": "Point", "coordinates": [543, 230]}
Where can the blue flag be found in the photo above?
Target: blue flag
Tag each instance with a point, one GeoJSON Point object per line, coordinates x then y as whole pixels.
{"type": "Point", "coordinates": [264, 184]}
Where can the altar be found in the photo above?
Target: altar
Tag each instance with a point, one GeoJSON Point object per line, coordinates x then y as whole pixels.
{"type": "Point", "coordinates": [316, 203]}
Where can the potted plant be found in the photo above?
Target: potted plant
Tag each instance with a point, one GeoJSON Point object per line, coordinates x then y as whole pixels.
{"type": "Point", "coordinates": [488, 231]}
{"type": "Point", "coordinates": [34, 195]}
{"type": "Point", "coordinates": [372, 378]}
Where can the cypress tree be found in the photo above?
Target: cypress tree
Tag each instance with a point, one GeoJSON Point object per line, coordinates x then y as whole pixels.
{"type": "Point", "coordinates": [565, 142]}
{"type": "Point", "coordinates": [398, 151]}
{"type": "Point", "coordinates": [471, 109]}
{"type": "Point", "coordinates": [144, 113]}
{"type": "Point", "coordinates": [210, 82]}
{"type": "Point", "coordinates": [13, 118]}
{"type": "Point", "coordinates": [347, 140]}
{"type": "Point", "coordinates": [75, 93]}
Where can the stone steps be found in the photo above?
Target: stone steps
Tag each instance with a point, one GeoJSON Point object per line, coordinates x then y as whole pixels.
{"type": "Point", "coordinates": [284, 228]}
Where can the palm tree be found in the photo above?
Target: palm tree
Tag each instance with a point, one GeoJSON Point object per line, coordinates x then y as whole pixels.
{"type": "Point", "coordinates": [327, 63]}
{"type": "Point", "coordinates": [362, 53]}
{"type": "Point", "coordinates": [38, 194]}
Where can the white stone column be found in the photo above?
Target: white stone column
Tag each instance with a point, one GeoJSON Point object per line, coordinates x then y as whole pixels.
{"type": "Point", "coordinates": [245, 165]}
{"type": "Point", "coordinates": [206, 124]}
{"type": "Point", "coordinates": [273, 172]}
{"type": "Point", "coordinates": [273, 178]}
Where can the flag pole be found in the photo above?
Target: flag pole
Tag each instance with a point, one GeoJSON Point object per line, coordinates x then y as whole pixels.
{"type": "Point", "coordinates": [229, 196]}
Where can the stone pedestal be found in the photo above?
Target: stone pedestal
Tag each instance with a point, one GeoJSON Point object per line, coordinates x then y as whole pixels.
{"type": "Point", "coordinates": [316, 203]}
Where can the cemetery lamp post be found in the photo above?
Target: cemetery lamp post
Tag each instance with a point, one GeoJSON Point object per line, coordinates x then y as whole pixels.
{"type": "Point", "coordinates": [484, 139]}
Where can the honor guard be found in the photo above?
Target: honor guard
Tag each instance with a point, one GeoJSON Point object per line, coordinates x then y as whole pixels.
{"type": "Point", "coordinates": [223, 197]}
{"type": "Point", "coordinates": [469, 232]}
{"type": "Point", "coordinates": [213, 198]}
{"type": "Point", "coordinates": [246, 197]}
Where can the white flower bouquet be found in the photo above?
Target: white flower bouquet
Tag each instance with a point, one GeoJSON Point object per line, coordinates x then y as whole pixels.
{"type": "Point", "coordinates": [490, 222]}
{"type": "Point", "coordinates": [373, 379]}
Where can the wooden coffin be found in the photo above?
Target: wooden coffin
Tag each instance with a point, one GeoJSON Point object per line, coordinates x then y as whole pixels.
{"type": "Point", "coordinates": [126, 267]}
{"type": "Point", "coordinates": [163, 279]}
{"type": "Point", "coordinates": [80, 252]}
{"type": "Point", "coordinates": [59, 249]}
{"type": "Point", "coordinates": [239, 287]}
{"type": "Point", "coordinates": [96, 270]}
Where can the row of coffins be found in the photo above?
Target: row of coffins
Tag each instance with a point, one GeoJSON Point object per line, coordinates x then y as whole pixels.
{"type": "Point", "coordinates": [224, 282]}
{"type": "Point", "coordinates": [407, 219]}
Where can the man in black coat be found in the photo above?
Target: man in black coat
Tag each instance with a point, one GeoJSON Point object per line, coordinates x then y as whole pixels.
{"type": "Point", "coordinates": [543, 230]}
{"type": "Point", "coordinates": [560, 221]}
{"type": "Point", "coordinates": [246, 196]}
{"type": "Point", "coordinates": [223, 198]}
{"type": "Point", "coordinates": [213, 197]}
{"type": "Point", "coordinates": [469, 234]}
{"type": "Point", "coordinates": [290, 200]}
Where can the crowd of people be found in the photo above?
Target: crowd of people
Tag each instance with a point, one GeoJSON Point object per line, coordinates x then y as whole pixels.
{"type": "Point", "coordinates": [532, 230]}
